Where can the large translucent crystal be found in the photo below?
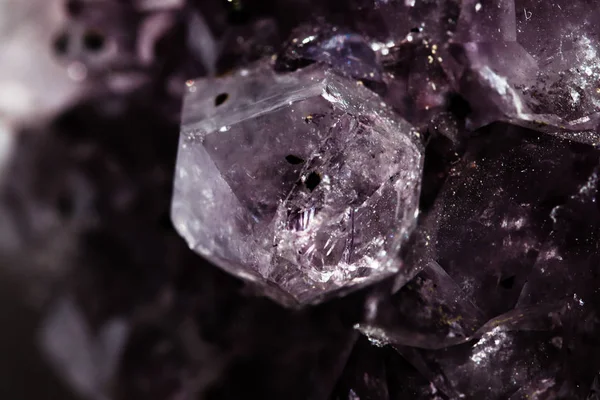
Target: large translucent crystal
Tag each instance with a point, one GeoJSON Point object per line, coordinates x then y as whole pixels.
{"type": "Point", "coordinates": [305, 183]}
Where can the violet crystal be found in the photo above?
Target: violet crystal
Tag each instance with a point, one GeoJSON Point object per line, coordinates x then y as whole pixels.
{"type": "Point", "coordinates": [442, 152]}
{"type": "Point", "coordinates": [306, 183]}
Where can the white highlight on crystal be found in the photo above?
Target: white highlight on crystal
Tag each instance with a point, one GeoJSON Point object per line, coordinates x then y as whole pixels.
{"type": "Point", "coordinates": [501, 85]}
{"type": "Point", "coordinates": [308, 39]}
{"type": "Point", "coordinates": [489, 344]}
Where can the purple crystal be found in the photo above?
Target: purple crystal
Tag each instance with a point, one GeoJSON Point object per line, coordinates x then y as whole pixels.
{"type": "Point", "coordinates": [396, 19]}
{"type": "Point", "coordinates": [491, 21]}
{"type": "Point", "coordinates": [380, 373]}
{"type": "Point", "coordinates": [305, 182]}
{"type": "Point", "coordinates": [537, 60]}
{"type": "Point", "coordinates": [495, 268]}
{"type": "Point", "coordinates": [346, 52]}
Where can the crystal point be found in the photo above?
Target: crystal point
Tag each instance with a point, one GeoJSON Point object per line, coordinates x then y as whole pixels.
{"type": "Point", "coordinates": [537, 63]}
{"type": "Point", "coordinates": [305, 183]}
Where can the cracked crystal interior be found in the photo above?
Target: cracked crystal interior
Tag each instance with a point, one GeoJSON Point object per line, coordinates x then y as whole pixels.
{"type": "Point", "coordinates": [304, 182]}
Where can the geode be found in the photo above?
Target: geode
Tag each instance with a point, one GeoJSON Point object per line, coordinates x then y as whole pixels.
{"type": "Point", "coordinates": [283, 180]}
{"type": "Point", "coordinates": [305, 183]}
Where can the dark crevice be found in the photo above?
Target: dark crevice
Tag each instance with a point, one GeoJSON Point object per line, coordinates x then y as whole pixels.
{"type": "Point", "coordinates": [221, 99]}
{"type": "Point", "coordinates": [294, 160]}
{"type": "Point", "coordinates": [508, 283]}
{"type": "Point", "coordinates": [312, 181]}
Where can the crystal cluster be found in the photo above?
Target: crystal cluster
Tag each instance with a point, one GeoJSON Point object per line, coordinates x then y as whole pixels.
{"type": "Point", "coordinates": [304, 181]}
{"type": "Point", "coordinates": [491, 312]}
{"type": "Point", "coordinates": [360, 199]}
{"type": "Point", "coordinates": [540, 63]}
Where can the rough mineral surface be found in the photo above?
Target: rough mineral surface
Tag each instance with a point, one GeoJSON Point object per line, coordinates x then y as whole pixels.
{"type": "Point", "coordinates": [501, 323]}
{"type": "Point", "coordinates": [305, 183]}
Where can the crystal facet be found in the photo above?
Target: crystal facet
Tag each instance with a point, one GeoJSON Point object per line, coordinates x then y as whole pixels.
{"type": "Point", "coordinates": [507, 267]}
{"type": "Point", "coordinates": [537, 65]}
{"type": "Point", "coordinates": [305, 182]}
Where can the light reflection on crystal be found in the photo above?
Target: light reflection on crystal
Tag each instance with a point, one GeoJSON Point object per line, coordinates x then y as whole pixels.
{"type": "Point", "coordinates": [319, 202]}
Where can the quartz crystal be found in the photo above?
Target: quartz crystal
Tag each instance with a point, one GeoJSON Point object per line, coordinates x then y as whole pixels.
{"type": "Point", "coordinates": [496, 273]}
{"type": "Point", "coordinates": [346, 52]}
{"type": "Point", "coordinates": [299, 171]}
{"type": "Point", "coordinates": [537, 62]}
{"type": "Point", "coordinates": [304, 183]}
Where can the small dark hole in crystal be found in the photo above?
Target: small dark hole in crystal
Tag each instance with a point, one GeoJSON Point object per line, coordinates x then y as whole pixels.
{"type": "Point", "coordinates": [220, 99]}
{"type": "Point", "coordinates": [508, 283]}
{"type": "Point", "coordinates": [93, 41]}
{"type": "Point", "coordinates": [61, 44]}
{"type": "Point", "coordinates": [312, 181]}
{"type": "Point", "coordinates": [458, 106]}
{"type": "Point", "coordinates": [294, 160]}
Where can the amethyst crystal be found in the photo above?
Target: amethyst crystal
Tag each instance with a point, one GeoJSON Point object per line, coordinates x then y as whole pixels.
{"type": "Point", "coordinates": [314, 133]}
{"type": "Point", "coordinates": [496, 278]}
{"type": "Point", "coordinates": [538, 64]}
{"type": "Point", "coordinates": [305, 182]}
{"type": "Point", "coordinates": [346, 52]}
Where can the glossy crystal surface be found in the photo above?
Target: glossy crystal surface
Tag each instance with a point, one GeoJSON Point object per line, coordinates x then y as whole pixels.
{"type": "Point", "coordinates": [506, 267]}
{"type": "Point", "coordinates": [537, 65]}
{"type": "Point", "coordinates": [305, 183]}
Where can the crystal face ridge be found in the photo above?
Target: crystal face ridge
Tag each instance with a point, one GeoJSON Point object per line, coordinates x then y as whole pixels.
{"type": "Point", "coordinates": [304, 183]}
